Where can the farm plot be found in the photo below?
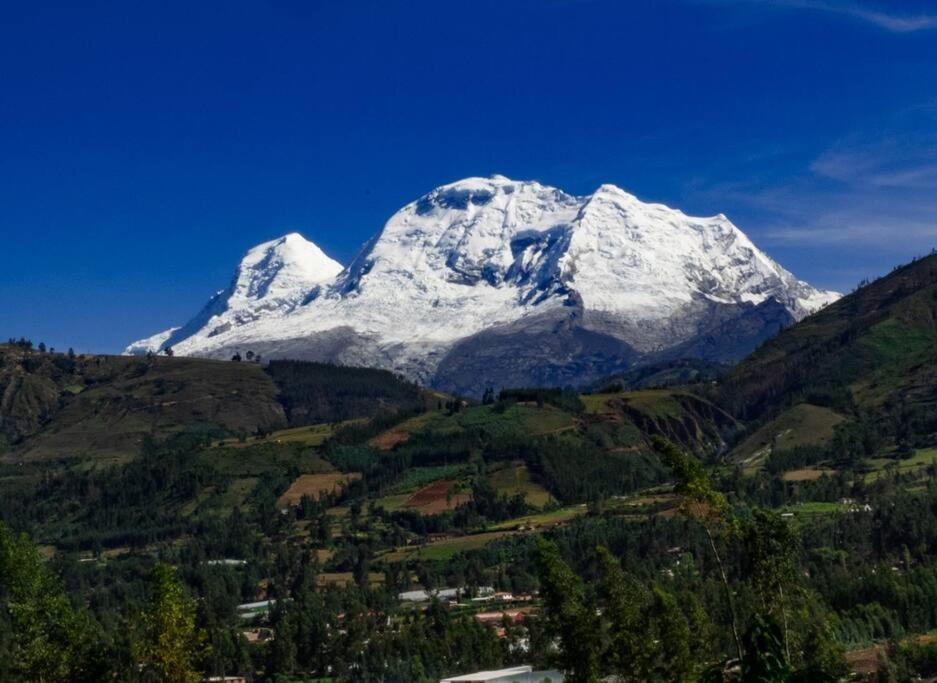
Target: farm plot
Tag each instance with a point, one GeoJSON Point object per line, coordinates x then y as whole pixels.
{"type": "Point", "coordinates": [437, 497]}
{"type": "Point", "coordinates": [313, 485]}
{"type": "Point", "coordinates": [515, 479]}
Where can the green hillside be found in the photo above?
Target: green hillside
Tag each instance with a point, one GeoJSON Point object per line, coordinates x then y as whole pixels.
{"type": "Point", "coordinates": [870, 359]}
{"type": "Point", "coordinates": [865, 352]}
{"type": "Point", "coordinates": [333, 489]}
{"type": "Point", "coordinates": [67, 406]}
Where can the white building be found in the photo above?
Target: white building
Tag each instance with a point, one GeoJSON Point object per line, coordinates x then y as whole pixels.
{"type": "Point", "coordinates": [442, 594]}
{"type": "Point", "coordinates": [517, 674]}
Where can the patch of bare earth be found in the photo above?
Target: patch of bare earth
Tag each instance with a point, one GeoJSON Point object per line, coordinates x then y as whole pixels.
{"type": "Point", "coordinates": [864, 661]}
{"type": "Point", "coordinates": [807, 474]}
{"type": "Point", "coordinates": [386, 441]}
{"type": "Point", "coordinates": [436, 497]}
{"type": "Point", "coordinates": [314, 485]}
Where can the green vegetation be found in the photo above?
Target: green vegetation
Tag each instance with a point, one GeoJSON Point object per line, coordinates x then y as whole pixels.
{"type": "Point", "coordinates": [514, 479]}
{"type": "Point", "coordinates": [802, 425]}
{"type": "Point", "coordinates": [752, 529]}
{"type": "Point", "coordinates": [552, 517]}
{"type": "Point", "coordinates": [313, 393]}
{"type": "Point", "coordinates": [170, 645]}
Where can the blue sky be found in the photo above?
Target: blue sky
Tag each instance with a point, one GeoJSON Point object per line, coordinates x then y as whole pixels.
{"type": "Point", "coordinates": [145, 146]}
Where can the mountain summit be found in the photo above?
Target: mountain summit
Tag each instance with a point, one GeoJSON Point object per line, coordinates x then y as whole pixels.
{"type": "Point", "coordinates": [491, 281]}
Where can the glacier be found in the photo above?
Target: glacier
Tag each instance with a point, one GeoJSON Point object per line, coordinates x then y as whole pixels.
{"type": "Point", "coordinates": [496, 282]}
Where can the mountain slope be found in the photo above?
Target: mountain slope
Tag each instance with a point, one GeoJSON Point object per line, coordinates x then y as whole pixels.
{"type": "Point", "coordinates": [488, 271]}
{"type": "Point", "coordinates": [873, 355]}
{"type": "Point", "coordinates": [56, 406]}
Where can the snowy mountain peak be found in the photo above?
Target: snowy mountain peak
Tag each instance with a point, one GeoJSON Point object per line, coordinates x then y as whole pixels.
{"type": "Point", "coordinates": [282, 269]}
{"type": "Point", "coordinates": [271, 280]}
{"type": "Point", "coordinates": [481, 255]}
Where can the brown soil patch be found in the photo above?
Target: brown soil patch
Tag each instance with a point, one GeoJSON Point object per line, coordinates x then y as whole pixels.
{"type": "Point", "coordinates": [430, 493]}
{"type": "Point", "coordinates": [313, 485]}
{"type": "Point", "coordinates": [436, 497]}
{"type": "Point", "coordinates": [385, 441]}
{"type": "Point", "coordinates": [807, 474]}
{"type": "Point", "coordinates": [864, 661]}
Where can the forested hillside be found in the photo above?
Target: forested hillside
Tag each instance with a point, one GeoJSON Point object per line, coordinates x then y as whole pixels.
{"type": "Point", "coordinates": [870, 351]}
{"type": "Point", "coordinates": [63, 405]}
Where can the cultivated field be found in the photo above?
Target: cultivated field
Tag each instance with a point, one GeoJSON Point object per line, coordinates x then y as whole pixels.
{"type": "Point", "coordinates": [515, 478]}
{"type": "Point", "coordinates": [436, 497]}
{"type": "Point", "coordinates": [313, 485]}
{"type": "Point", "coordinates": [802, 425]}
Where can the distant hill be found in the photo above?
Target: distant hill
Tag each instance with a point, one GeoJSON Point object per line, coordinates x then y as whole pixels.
{"type": "Point", "coordinates": [664, 374]}
{"type": "Point", "coordinates": [56, 405]}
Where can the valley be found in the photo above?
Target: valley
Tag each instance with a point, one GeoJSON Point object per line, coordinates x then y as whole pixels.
{"type": "Point", "coordinates": [310, 488]}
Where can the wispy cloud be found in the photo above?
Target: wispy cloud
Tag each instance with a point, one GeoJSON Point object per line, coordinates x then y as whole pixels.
{"type": "Point", "coordinates": [903, 155]}
{"type": "Point", "coordinates": [884, 18]}
{"type": "Point", "coordinates": [875, 188]}
{"type": "Point", "coordinates": [850, 229]}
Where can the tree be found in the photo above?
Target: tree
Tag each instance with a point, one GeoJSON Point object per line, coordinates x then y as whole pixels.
{"type": "Point", "coordinates": [624, 608]}
{"type": "Point", "coordinates": [250, 355]}
{"type": "Point", "coordinates": [569, 615]}
{"type": "Point", "coordinates": [649, 636]}
{"type": "Point", "coordinates": [168, 351]}
{"type": "Point", "coordinates": [671, 638]}
{"type": "Point", "coordinates": [700, 500]}
{"type": "Point", "coordinates": [51, 641]}
{"type": "Point", "coordinates": [236, 357]}
{"type": "Point", "coordinates": [770, 544]}
{"type": "Point", "coordinates": [170, 644]}
{"type": "Point", "coordinates": [42, 347]}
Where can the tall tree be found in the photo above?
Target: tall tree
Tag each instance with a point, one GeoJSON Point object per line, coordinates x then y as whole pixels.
{"type": "Point", "coordinates": [770, 544]}
{"type": "Point", "coordinates": [51, 641]}
{"type": "Point", "coordinates": [569, 615]}
{"type": "Point", "coordinates": [700, 500]}
{"type": "Point", "coordinates": [170, 644]}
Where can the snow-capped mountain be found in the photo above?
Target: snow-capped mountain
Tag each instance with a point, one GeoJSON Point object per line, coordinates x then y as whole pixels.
{"type": "Point", "coordinates": [272, 280]}
{"type": "Point", "coordinates": [490, 281]}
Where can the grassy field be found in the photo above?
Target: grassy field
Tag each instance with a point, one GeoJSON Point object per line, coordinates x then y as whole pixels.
{"type": "Point", "coordinates": [596, 403]}
{"type": "Point", "coordinates": [112, 401]}
{"type": "Point", "coordinates": [815, 508]}
{"type": "Point", "coordinates": [221, 501]}
{"type": "Point", "coordinates": [802, 425]}
{"type": "Point", "coordinates": [516, 418]}
{"type": "Point", "coordinates": [314, 435]}
{"type": "Point", "coordinates": [264, 457]}
{"type": "Point", "coordinates": [515, 478]}
{"type": "Point", "coordinates": [540, 519]}
{"type": "Point", "coordinates": [401, 432]}
{"type": "Point", "coordinates": [392, 503]}
{"type": "Point", "coordinates": [921, 459]}
{"type": "Point", "coordinates": [654, 402]}
{"type": "Point", "coordinates": [445, 549]}
{"type": "Point", "coordinates": [439, 496]}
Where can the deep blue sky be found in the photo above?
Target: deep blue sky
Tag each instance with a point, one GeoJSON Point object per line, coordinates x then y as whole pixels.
{"type": "Point", "coordinates": [145, 146]}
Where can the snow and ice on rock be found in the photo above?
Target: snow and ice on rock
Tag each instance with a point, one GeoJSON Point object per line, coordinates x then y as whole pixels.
{"type": "Point", "coordinates": [485, 253]}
